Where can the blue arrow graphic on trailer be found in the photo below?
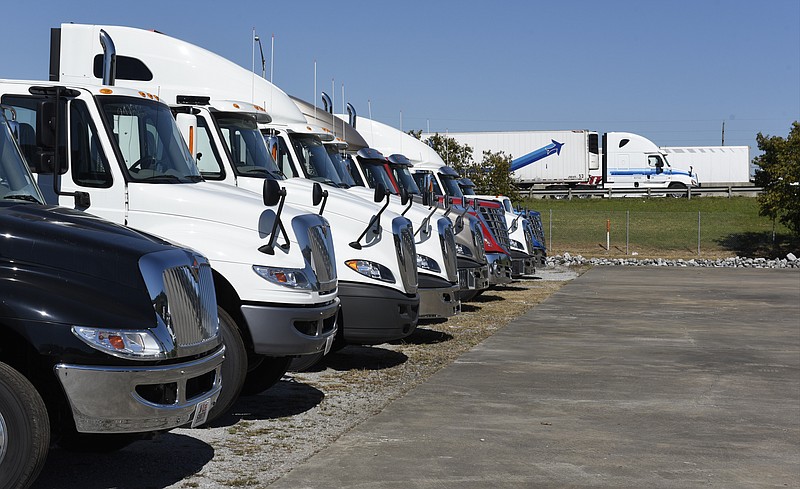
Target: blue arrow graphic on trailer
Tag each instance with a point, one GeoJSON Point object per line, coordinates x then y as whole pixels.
{"type": "Point", "coordinates": [554, 147]}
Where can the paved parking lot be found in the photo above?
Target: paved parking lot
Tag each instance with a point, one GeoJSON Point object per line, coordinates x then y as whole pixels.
{"type": "Point", "coordinates": [626, 377]}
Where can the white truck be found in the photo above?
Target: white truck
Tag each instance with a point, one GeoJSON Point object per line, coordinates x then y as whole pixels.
{"type": "Point", "coordinates": [720, 166]}
{"type": "Point", "coordinates": [570, 159]}
{"type": "Point", "coordinates": [377, 277]}
{"type": "Point", "coordinates": [125, 160]}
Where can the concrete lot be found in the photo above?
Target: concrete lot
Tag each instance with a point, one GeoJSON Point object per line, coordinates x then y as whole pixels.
{"type": "Point", "coordinates": [626, 377]}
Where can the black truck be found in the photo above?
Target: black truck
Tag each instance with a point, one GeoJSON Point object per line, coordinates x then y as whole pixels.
{"type": "Point", "coordinates": [107, 334]}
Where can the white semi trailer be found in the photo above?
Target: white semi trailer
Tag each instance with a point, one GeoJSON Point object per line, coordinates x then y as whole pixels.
{"type": "Point", "coordinates": [570, 159]}
{"type": "Point", "coordinates": [719, 166]}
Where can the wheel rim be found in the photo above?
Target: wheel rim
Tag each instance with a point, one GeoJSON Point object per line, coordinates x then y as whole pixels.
{"type": "Point", "coordinates": [3, 431]}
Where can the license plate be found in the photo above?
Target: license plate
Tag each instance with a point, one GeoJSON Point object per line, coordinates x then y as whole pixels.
{"type": "Point", "coordinates": [328, 343]}
{"type": "Point", "coordinates": [201, 413]}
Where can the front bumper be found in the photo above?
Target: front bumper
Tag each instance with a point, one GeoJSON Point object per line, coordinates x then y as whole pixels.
{"type": "Point", "coordinates": [438, 298]}
{"type": "Point", "coordinates": [373, 314]}
{"type": "Point", "coordinates": [134, 399]}
{"type": "Point", "coordinates": [473, 276]}
{"type": "Point", "coordinates": [521, 264]}
{"type": "Point", "coordinates": [281, 331]}
{"type": "Point", "coordinates": [499, 268]}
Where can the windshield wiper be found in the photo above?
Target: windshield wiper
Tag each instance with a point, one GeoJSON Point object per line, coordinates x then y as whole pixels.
{"type": "Point", "coordinates": [27, 197]}
{"type": "Point", "coordinates": [163, 179]}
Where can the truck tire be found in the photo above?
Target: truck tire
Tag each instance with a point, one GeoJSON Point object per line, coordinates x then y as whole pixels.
{"type": "Point", "coordinates": [264, 374]}
{"type": "Point", "coordinates": [679, 188]}
{"type": "Point", "coordinates": [24, 430]}
{"type": "Point", "coordinates": [234, 368]}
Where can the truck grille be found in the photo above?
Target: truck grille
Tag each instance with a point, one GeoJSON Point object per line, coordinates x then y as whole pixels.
{"type": "Point", "coordinates": [406, 252]}
{"type": "Point", "coordinates": [448, 242]}
{"type": "Point", "coordinates": [192, 304]}
{"type": "Point", "coordinates": [538, 230]}
{"type": "Point", "coordinates": [528, 231]}
{"type": "Point", "coordinates": [496, 222]}
{"type": "Point", "coordinates": [322, 261]}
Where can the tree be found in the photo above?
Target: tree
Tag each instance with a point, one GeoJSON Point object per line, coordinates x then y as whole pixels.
{"type": "Point", "coordinates": [454, 154]}
{"type": "Point", "coordinates": [497, 174]}
{"type": "Point", "coordinates": [780, 178]}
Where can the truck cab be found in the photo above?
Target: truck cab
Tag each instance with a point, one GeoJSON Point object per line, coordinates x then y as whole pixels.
{"type": "Point", "coordinates": [107, 335]}
{"type": "Point", "coordinates": [633, 161]}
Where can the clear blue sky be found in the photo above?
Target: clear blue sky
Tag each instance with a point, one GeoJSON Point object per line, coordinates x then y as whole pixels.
{"type": "Point", "coordinates": [672, 71]}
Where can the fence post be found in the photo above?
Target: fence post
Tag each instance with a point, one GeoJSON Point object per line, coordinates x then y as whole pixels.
{"type": "Point", "coordinates": [698, 233]}
{"type": "Point", "coordinates": [550, 234]}
{"type": "Point", "coordinates": [627, 230]}
{"type": "Point", "coordinates": [608, 234]}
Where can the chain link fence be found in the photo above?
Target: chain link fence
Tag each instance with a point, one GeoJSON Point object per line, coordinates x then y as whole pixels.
{"type": "Point", "coordinates": [656, 234]}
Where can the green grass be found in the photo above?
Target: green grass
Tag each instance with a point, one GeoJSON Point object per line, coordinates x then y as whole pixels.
{"type": "Point", "coordinates": [662, 227]}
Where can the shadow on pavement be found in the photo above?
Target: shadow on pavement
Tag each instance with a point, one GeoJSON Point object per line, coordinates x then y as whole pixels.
{"type": "Point", "coordinates": [129, 468]}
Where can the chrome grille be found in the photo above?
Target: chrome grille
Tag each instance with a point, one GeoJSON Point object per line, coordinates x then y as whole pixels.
{"type": "Point", "coordinates": [191, 304]}
{"type": "Point", "coordinates": [528, 231]}
{"type": "Point", "coordinates": [406, 252]}
{"type": "Point", "coordinates": [321, 260]}
{"type": "Point", "coordinates": [477, 240]}
{"type": "Point", "coordinates": [448, 242]}
{"type": "Point", "coordinates": [496, 221]}
{"type": "Point", "coordinates": [536, 222]}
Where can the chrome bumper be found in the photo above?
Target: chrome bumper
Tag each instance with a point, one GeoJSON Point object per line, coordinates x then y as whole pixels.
{"type": "Point", "coordinates": [440, 302]}
{"type": "Point", "coordinates": [131, 399]}
{"type": "Point", "coordinates": [474, 278]}
{"type": "Point", "coordinates": [499, 268]}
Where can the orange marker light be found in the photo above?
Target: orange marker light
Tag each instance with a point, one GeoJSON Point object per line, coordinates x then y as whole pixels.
{"type": "Point", "coordinates": [106, 91]}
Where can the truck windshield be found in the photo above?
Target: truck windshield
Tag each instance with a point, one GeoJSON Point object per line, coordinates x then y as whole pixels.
{"type": "Point", "coordinates": [342, 167]}
{"type": "Point", "coordinates": [16, 182]}
{"type": "Point", "coordinates": [375, 171]}
{"type": "Point", "coordinates": [451, 186]}
{"type": "Point", "coordinates": [148, 140]}
{"type": "Point", "coordinates": [314, 159]}
{"type": "Point", "coordinates": [404, 179]}
{"type": "Point", "coordinates": [419, 177]}
{"type": "Point", "coordinates": [245, 143]}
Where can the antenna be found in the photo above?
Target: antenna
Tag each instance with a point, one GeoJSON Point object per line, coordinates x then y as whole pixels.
{"type": "Point", "coordinates": [263, 60]}
{"type": "Point", "coordinates": [315, 89]}
{"type": "Point", "coordinates": [271, 57]}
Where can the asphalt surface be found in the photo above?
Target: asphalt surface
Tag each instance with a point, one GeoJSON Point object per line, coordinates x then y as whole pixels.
{"type": "Point", "coordinates": [626, 377]}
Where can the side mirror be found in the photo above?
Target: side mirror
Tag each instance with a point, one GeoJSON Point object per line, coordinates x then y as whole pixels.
{"type": "Point", "coordinates": [403, 196]}
{"type": "Point", "coordinates": [316, 194]}
{"type": "Point", "coordinates": [380, 192]}
{"type": "Point", "coordinates": [272, 193]}
{"type": "Point", "coordinates": [46, 125]}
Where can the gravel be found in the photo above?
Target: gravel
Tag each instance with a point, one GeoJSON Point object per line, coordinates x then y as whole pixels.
{"type": "Point", "coordinates": [265, 436]}
{"type": "Point", "coordinates": [790, 261]}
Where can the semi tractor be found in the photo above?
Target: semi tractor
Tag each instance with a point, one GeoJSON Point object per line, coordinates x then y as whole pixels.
{"type": "Point", "coordinates": [378, 277]}
{"type": "Point", "coordinates": [272, 264]}
{"type": "Point", "coordinates": [107, 335]}
{"type": "Point", "coordinates": [578, 159]}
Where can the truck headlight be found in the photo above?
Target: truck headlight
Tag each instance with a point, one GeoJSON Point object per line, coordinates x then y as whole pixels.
{"type": "Point", "coordinates": [371, 269]}
{"type": "Point", "coordinates": [287, 277]}
{"type": "Point", "coordinates": [141, 344]}
{"type": "Point", "coordinates": [427, 263]}
{"type": "Point", "coordinates": [463, 250]}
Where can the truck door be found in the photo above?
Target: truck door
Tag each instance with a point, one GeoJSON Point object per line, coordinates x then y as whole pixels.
{"type": "Point", "coordinates": [658, 175]}
{"type": "Point", "coordinates": [83, 158]}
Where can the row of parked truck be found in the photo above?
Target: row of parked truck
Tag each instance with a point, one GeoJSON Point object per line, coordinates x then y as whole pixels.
{"type": "Point", "coordinates": [177, 232]}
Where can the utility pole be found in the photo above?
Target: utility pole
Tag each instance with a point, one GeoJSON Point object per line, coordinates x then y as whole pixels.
{"type": "Point", "coordinates": [723, 133]}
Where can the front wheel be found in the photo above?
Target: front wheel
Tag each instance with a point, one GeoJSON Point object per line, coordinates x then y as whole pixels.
{"type": "Point", "coordinates": [234, 368]}
{"type": "Point", "coordinates": [265, 373]}
{"type": "Point", "coordinates": [24, 430]}
{"type": "Point", "coordinates": [678, 190]}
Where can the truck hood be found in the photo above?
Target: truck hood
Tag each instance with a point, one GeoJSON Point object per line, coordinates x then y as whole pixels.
{"type": "Point", "coordinates": [73, 241]}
